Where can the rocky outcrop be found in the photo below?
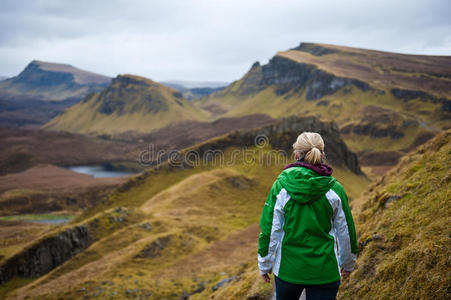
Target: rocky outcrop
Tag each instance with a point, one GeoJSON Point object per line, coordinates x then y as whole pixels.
{"type": "Point", "coordinates": [373, 130]}
{"type": "Point", "coordinates": [408, 95]}
{"type": "Point", "coordinates": [290, 76]}
{"type": "Point", "coordinates": [252, 81]}
{"type": "Point", "coordinates": [126, 89]}
{"type": "Point", "coordinates": [281, 136]}
{"type": "Point", "coordinates": [45, 255]}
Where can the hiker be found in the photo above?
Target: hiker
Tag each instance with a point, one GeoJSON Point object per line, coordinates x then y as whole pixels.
{"type": "Point", "coordinates": [305, 213]}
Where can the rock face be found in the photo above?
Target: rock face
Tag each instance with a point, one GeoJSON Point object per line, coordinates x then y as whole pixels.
{"type": "Point", "coordinates": [290, 76]}
{"type": "Point", "coordinates": [123, 88]}
{"type": "Point", "coordinates": [283, 134]}
{"type": "Point", "coordinates": [51, 252]}
{"type": "Point", "coordinates": [407, 95]}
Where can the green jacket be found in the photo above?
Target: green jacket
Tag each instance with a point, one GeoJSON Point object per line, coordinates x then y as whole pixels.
{"type": "Point", "coordinates": [304, 216]}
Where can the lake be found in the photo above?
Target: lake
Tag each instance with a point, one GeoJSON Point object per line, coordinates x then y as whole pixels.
{"type": "Point", "coordinates": [100, 171]}
{"type": "Point", "coordinates": [51, 221]}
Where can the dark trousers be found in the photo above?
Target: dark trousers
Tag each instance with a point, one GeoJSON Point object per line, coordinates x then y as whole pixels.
{"type": "Point", "coordinates": [291, 291]}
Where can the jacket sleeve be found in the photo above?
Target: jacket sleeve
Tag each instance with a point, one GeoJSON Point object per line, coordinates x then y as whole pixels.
{"type": "Point", "coordinates": [271, 225]}
{"type": "Point", "coordinates": [345, 231]}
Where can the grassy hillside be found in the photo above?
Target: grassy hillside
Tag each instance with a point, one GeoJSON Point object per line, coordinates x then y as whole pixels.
{"type": "Point", "coordinates": [130, 103]}
{"type": "Point", "coordinates": [181, 229]}
{"type": "Point", "coordinates": [381, 101]}
{"type": "Point", "coordinates": [403, 228]}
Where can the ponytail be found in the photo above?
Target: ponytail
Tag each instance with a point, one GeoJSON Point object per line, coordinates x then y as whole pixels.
{"type": "Point", "coordinates": [313, 156]}
{"type": "Point", "coordinates": [312, 144]}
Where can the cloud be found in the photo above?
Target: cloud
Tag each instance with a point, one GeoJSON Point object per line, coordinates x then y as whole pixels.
{"type": "Point", "coordinates": [207, 39]}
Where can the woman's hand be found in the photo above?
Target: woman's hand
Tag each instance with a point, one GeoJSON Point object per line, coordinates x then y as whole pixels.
{"type": "Point", "coordinates": [343, 273]}
{"type": "Point", "coordinates": [266, 277]}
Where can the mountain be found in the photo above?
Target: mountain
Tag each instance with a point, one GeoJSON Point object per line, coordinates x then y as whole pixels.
{"type": "Point", "coordinates": [3, 78]}
{"type": "Point", "coordinates": [52, 82]}
{"type": "Point", "coordinates": [129, 103]}
{"type": "Point", "coordinates": [149, 237]}
{"type": "Point", "coordinates": [384, 103]}
{"type": "Point", "coordinates": [42, 91]}
{"type": "Point", "coordinates": [195, 89]}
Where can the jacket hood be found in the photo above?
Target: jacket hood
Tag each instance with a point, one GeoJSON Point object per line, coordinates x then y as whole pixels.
{"type": "Point", "coordinates": [305, 185]}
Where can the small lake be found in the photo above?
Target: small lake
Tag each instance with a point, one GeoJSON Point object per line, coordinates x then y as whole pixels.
{"type": "Point", "coordinates": [51, 221]}
{"type": "Point", "coordinates": [40, 218]}
{"type": "Point", "coordinates": [100, 171]}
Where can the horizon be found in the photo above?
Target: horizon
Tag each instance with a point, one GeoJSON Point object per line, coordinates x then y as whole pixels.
{"type": "Point", "coordinates": [204, 41]}
{"type": "Point", "coordinates": [181, 80]}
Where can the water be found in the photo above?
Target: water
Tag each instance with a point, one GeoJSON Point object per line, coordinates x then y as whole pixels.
{"type": "Point", "coordinates": [100, 171]}
{"type": "Point", "coordinates": [51, 221]}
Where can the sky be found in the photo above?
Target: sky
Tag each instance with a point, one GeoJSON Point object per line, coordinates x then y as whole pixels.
{"type": "Point", "coordinates": [208, 40]}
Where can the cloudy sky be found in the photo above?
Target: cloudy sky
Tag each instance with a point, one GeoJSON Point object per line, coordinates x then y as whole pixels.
{"type": "Point", "coordinates": [208, 40]}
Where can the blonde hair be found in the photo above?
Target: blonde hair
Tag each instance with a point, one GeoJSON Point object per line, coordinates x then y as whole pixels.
{"type": "Point", "coordinates": [311, 145]}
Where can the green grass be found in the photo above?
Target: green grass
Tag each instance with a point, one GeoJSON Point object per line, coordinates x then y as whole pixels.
{"type": "Point", "coordinates": [403, 229]}
{"type": "Point", "coordinates": [15, 283]}
{"type": "Point", "coordinates": [36, 217]}
{"type": "Point", "coordinates": [195, 219]}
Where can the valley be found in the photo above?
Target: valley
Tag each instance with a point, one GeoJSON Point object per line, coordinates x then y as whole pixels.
{"type": "Point", "coordinates": [174, 216]}
{"type": "Point", "coordinates": [130, 188]}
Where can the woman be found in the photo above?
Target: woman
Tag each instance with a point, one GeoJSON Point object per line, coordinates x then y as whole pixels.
{"type": "Point", "coordinates": [305, 213]}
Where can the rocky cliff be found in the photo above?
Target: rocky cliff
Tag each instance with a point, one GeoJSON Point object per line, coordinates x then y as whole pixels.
{"type": "Point", "coordinates": [286, 76]}
{"type": "Point", "coordinates": [281, 136]}
{"type": "Point", "coordinates": [44, 256]}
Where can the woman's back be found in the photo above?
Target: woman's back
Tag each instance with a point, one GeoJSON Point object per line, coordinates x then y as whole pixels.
{"type": "Point", "coordinates": [301, 221]}
{"type": "Point", "coordinates": [305, 214]}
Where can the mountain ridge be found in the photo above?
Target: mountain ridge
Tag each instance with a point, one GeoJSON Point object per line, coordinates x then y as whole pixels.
{"type": "Point", "coordinates": [52, 81]}
{"type": "Point", "coordinates": [373, 115]}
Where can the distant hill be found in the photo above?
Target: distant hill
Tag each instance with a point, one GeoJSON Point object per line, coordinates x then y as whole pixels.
{"type": "Point", "coordinates": [130, 103]}
{"type": "Point", "coordinates": [52, 82]}
{"type": "Point", "coordinates": [186, 84]}
{"type": "Point", "coordinates": [195, 89]}
{"type": "Point", "coordinates": [42, 91]}
{"type": "Point", "coordinates": [3, 78]}
{"type": "Point", "coordinates": [381, 101]}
